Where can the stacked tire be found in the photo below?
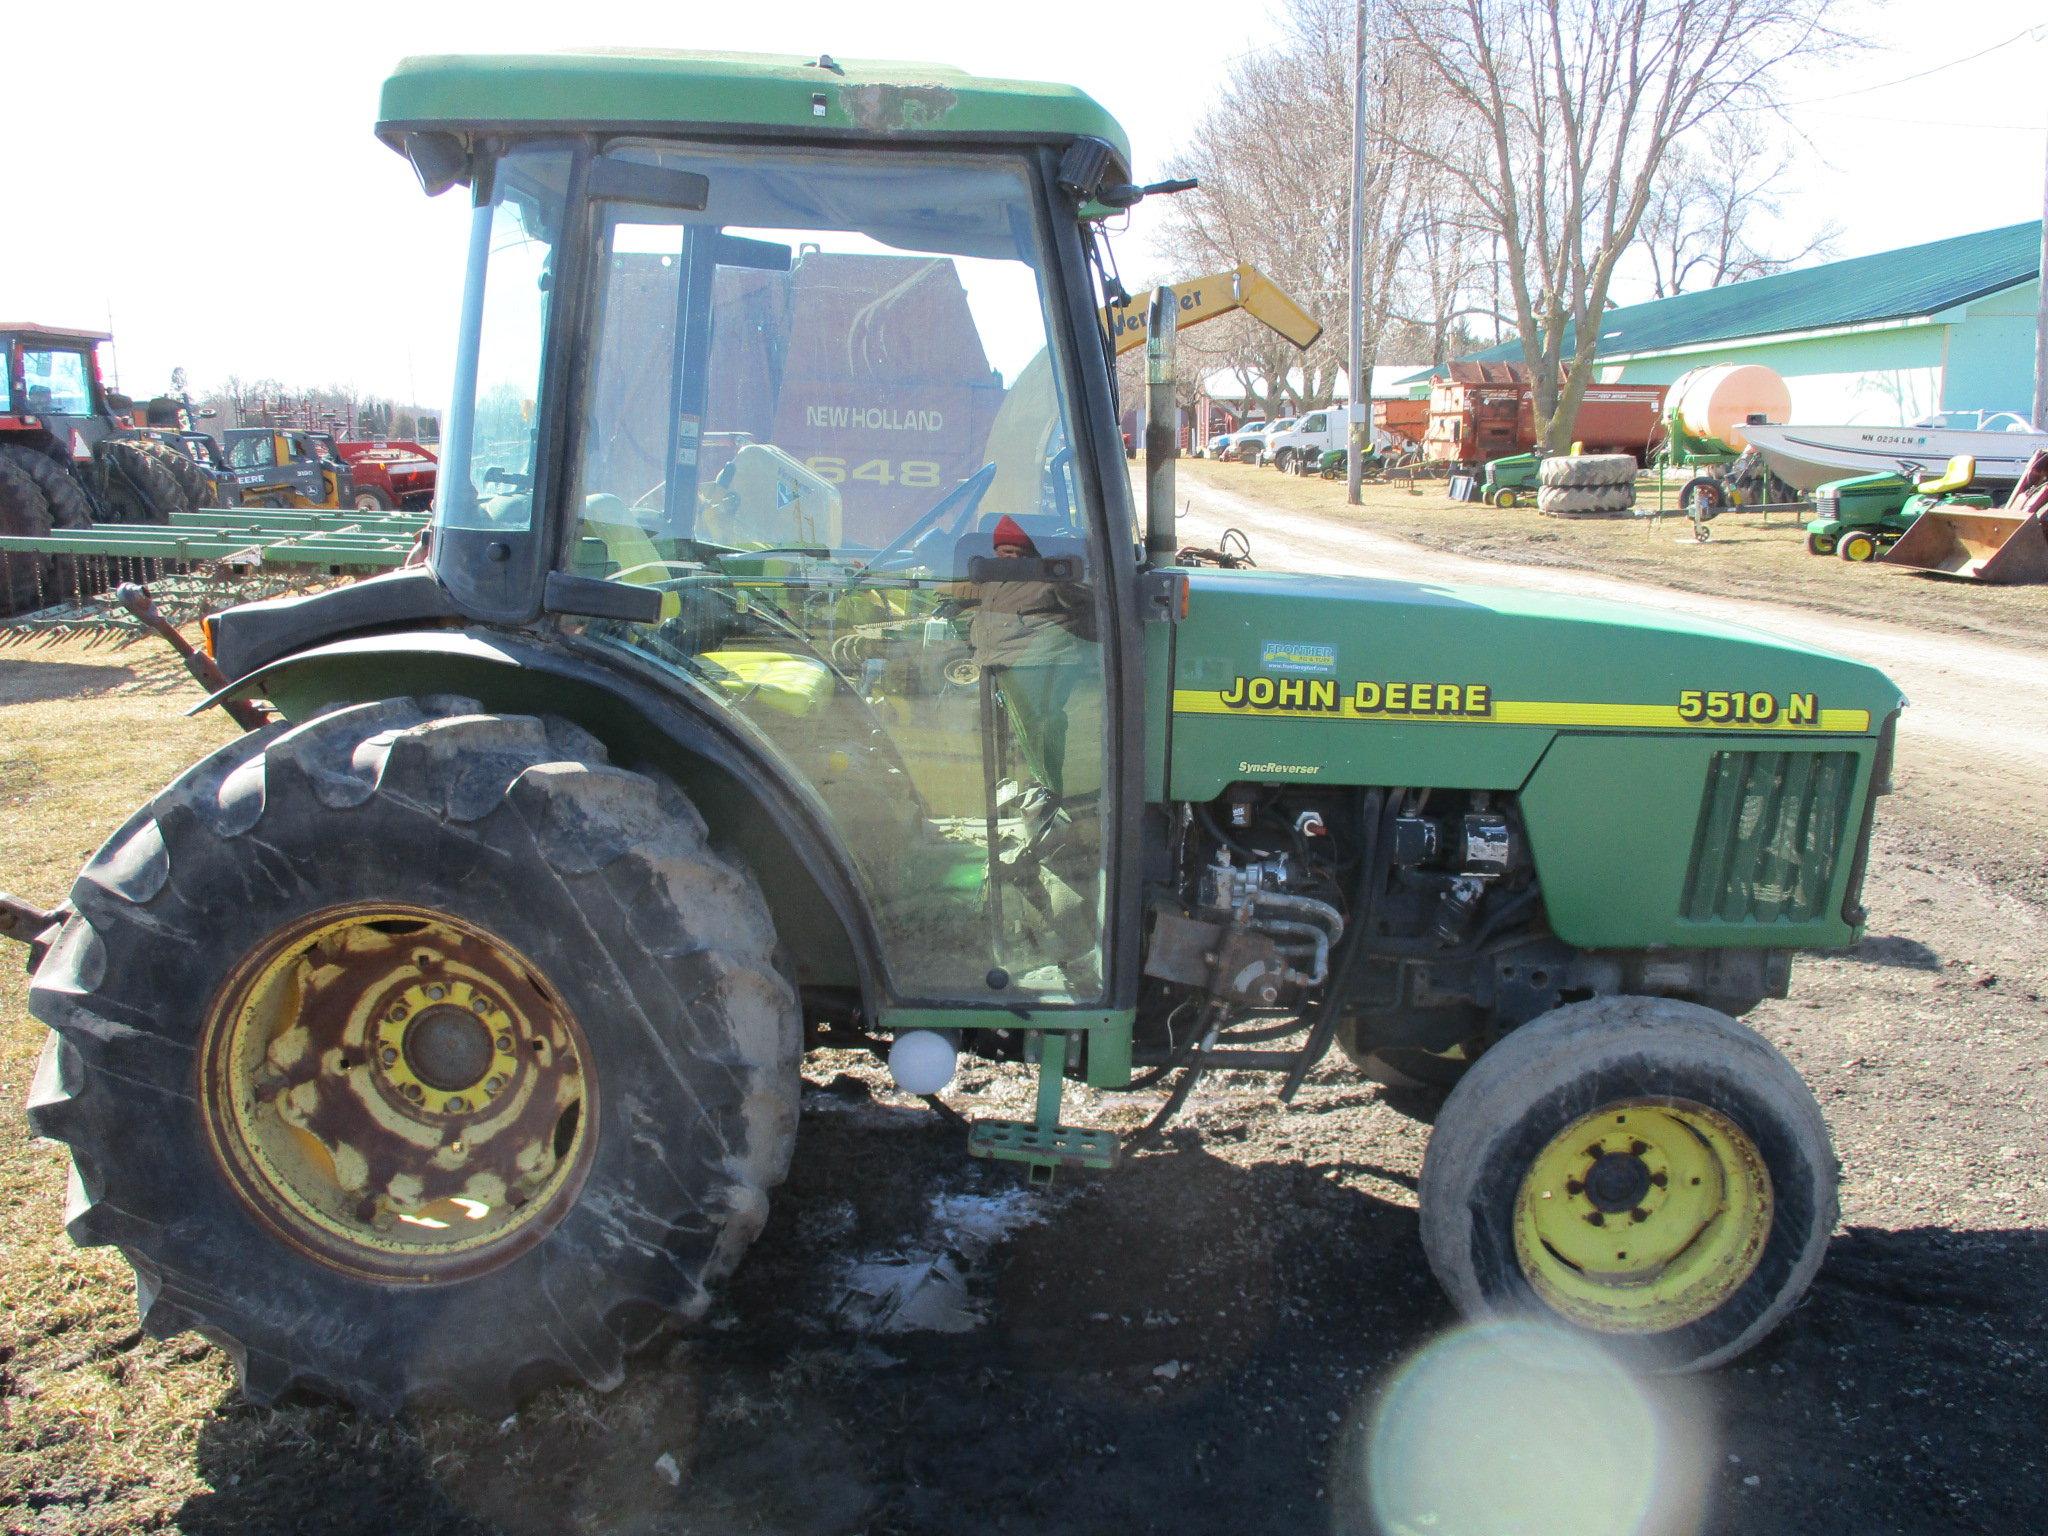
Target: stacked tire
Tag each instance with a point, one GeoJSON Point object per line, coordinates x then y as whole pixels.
{"type": "Point", "coordinates": [1587, 485]}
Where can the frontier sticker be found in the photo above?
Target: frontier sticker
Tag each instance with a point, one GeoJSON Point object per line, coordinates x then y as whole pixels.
{"type": "Point", "coordinates": [1297, 656]}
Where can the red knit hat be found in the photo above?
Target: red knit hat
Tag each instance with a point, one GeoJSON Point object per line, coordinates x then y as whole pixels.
{"type": "Point", "coordinates": [1008, 535]}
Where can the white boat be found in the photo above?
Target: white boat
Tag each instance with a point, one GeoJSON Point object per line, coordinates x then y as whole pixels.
{"type": "Point", "coordinates": [1806, 457]}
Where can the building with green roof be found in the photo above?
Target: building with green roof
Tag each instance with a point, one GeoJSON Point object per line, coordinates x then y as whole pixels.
{"type": "Point", "coordinates": [1892, 338]}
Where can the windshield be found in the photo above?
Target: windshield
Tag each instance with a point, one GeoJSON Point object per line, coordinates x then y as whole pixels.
{"type": "Point", "coordinates": [55, 382]}
{"type": "Point", "coordinates": [822, 415]}
{"type": "Point", "coordinates": [493, 415]}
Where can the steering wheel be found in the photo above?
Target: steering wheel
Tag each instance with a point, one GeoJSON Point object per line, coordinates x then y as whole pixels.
{"type": "Point", "coordinates": [900, 552]}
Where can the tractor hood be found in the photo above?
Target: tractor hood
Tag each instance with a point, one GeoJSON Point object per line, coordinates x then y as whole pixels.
{"type": "Point", "coordinates": [1285, 677]}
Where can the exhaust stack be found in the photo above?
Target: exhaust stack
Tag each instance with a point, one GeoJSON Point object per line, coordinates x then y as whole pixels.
{"type": "Point", "coordinates": [1162, 435]}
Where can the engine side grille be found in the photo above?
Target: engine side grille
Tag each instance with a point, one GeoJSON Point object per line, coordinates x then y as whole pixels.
{"type": "Point", "coordinates": [1770, 831]}
{"type": "Point", "coordinates": [1827, 504]}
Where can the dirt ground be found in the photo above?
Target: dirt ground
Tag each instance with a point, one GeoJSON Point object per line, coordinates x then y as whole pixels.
{"type": "Point", "coordinates": [1200, 1341]}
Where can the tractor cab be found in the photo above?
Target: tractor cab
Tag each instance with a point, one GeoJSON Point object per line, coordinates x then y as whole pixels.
{"type": "Point", "coordinates": [801, 429]}
{"type": "Point", "coordinates": [51, 390]}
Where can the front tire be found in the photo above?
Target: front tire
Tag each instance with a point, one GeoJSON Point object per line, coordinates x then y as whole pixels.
{"type": "Point", "coordinates": [372, 498]}
{"type": "Point", "coordinates": [1645, 1171]}
{"type": "Point", "coordinates": [577, 1145]}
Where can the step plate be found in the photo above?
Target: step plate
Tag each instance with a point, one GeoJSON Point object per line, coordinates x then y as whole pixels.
{"type": "Point", "coordinates": [1065, 1147]}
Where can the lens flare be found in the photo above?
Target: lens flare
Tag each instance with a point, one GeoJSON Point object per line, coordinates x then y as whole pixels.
{"type": "Point", "coordinates": [1522, 1428]}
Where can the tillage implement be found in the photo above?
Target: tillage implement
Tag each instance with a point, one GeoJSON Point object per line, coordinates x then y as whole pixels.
{"type": "Point", "coordinates": [790, 664]}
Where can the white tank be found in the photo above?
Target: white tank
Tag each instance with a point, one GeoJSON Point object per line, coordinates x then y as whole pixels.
{"type": "Point", "coordinates": [1715, 401]}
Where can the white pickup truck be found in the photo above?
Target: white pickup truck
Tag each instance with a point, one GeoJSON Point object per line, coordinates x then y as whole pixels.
{"type": "Point", "coordinates": [1312, 433]}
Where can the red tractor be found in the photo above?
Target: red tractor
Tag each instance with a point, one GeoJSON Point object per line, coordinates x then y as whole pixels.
{"type": "Point", "coordinates": [69, 454]}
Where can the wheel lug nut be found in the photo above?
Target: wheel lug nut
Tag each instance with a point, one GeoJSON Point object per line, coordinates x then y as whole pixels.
{"type": "Point", "coordinates": [481, 1004]}
{"type": "Point", "coordinates": [457, 1105]}
{"type": "Point", "coordinates": [388, 1056]}
{"type": "Point", "coordinates": [504, 1042]}
{"type": "Point", "coordinates": [1596, 1218]}
{"type": "Point", "coordinates": [1574, 1187]}
{"type": "Point", "coordinates": [437, 991]}
{"type": "Point", "coordinates": [412, 1091]}
{"type": "Point", "coordinates": [493, 1083]}
{"type": "Point", "coordinates": [1639, 1214]}
{"type": "Point", "coordinates": [1660, 1180]}
{"type": "Point", "coordinates": [397, 1013]}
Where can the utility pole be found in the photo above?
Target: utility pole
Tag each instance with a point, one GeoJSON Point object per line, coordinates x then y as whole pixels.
{"type": "Point", "coordinates": [2041, 316]}
{"type": "Point", "coordinates": [1361, 406]}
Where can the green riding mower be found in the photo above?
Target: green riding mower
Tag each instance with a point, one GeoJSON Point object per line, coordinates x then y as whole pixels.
{"type": "Point", "coordinates": [1859, 518]}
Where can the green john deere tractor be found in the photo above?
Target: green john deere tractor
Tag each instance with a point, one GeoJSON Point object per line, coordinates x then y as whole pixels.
{"type": "Point", "coordinates": [790, 664]}
{"type": "Point", "coordinates": [1859, 518]}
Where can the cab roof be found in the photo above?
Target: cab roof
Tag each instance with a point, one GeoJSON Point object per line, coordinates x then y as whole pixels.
{"type": "Point", "coordinates": [54, 332]}
{"type": "Point", "coordinates": [776, 94]}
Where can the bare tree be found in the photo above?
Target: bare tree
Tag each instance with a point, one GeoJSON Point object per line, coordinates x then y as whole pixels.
{"type": "Point", "coordinates": [1272, 158]}
{"type": "Point", "coordinates": [1574, 106]}
{"type": "Point", "coordinates": [1701, 226]}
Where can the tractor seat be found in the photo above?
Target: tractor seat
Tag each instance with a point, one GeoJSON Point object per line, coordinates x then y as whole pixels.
{"type": "Point", "coordinates": [1962, 469]}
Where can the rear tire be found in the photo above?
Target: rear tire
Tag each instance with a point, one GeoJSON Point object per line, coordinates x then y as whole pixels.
{"type": "Point", "coordinates": [195, 483]}
{"type": "Point", "coordinates": [1727, 1160]}
{"type": "Point", "coordinates": [665, 1086]}
{"type": "Point", "coordinates": [68, 504]}
{"type": "Point", "coordinates": [372, 498]}
{"type": "Point", "coordinates": [1857, 547]}
{"type": "Point", "coordinates": [25, 580]}
{"type": "Point", "coordinates": [140, 488]}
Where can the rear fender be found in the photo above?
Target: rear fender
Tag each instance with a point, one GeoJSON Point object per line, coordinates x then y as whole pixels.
{"type": "Point", "coordinates": [752, 807]}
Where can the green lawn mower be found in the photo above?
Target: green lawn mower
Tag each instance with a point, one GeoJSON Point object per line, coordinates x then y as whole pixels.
{"type": "Point", "coordinates": [1512, 481]}
{"type": "Point", "coordinates": [1859, 518]}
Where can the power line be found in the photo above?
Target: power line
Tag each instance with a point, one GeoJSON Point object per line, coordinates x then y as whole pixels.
{"type": "Point", "coordinates": [2036, 32]}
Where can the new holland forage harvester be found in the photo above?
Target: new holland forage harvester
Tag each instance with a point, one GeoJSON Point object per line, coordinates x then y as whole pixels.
{"type": "Point", "coordinates": [771, 677]}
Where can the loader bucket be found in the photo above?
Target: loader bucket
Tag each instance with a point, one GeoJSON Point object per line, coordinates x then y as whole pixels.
{"type": "Point", "coordinates": [1975, 544]}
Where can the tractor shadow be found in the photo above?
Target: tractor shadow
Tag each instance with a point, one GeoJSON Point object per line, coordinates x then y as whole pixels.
{"type": "Point", "coordinates": [1896, 951]}
{"type": "Point", "coordinates": [1190, 1344]}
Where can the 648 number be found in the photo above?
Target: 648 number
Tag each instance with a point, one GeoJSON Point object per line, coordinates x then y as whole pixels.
{"type": "Point", "coordinates": [918, 474]}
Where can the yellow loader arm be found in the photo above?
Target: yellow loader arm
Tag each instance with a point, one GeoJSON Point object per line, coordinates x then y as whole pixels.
{"type": "Point", "coordinates": [1243, 287]}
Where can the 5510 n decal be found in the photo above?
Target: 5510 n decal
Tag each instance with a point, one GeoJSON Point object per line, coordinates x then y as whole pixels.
{"type": "Point", "coordinates": [1719, 706]}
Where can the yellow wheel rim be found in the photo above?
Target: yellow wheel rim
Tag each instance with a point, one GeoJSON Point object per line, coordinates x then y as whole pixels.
{"type": "Point", "coordinates": [1857, 548]}
{"type": "Point", "coordinates": [1644, 1216]}
{"type": "Point", "coordinates": [395, 1092]}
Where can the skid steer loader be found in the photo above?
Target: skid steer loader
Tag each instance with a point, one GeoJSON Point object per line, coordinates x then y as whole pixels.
{"type": "Point", "coordinates": [789, 663]}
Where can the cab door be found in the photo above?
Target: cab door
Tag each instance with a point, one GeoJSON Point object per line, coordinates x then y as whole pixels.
{"type": "Point", "coordinates": [825, 417]}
